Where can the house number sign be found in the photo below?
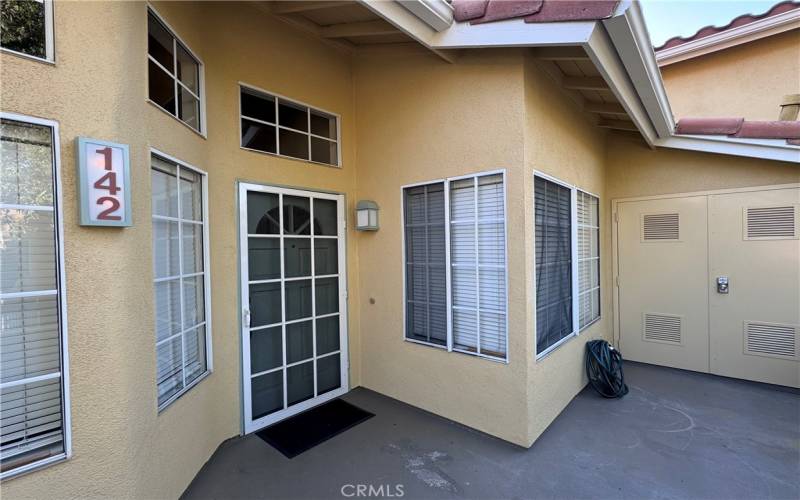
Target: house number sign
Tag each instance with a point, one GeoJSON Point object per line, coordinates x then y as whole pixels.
{"type": "Point", "coordinates": [104, 183]}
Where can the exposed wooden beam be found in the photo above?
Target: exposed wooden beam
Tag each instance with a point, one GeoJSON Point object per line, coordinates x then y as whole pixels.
{"type": "Point", "coordinates": [281, 8]}
{"type": "Point", "coordinates": [604, 108]}
{"type": "Point", "coordinates": [584, 83]}
{"type": "Point", "coordinates": [562, 54]}
{"type": "Point", "coordinates": [363, 28]}
{"type": "Point", "coordinates": [306, 26]}
{"type": "Point", "coordinates": [617, 125]}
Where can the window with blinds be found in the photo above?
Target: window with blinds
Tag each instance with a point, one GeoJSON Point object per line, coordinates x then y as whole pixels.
{"type": "Point", "coordinates": [457, 225]}
{"type": "Point", "coordinates": [553, 233]}
{"type": "Point", "coordinates": [567, 246]}
{"type": "Point", "coordinates": [32, 351]}
{"type": "Point", "coordinates": [588, 259]}
{"type": "Point", "coordinates": [181, 277]}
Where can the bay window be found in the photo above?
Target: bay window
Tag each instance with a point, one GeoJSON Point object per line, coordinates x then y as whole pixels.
{"type": "Point", "coordinates": [567, 267]}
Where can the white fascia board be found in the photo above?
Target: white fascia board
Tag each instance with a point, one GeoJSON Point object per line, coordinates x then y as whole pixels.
{"type": "Point", "coordinates": [437, 14]}
{"type": "Point", "coordinates": [730, 38]}
{"type": "Point", "coordinates": [604, 56]}
{"type": "Point", "coordinates": [767, 149]}
{"type": "Point", "coordinates": [628, 33]}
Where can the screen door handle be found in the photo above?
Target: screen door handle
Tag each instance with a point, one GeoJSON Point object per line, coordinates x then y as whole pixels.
{"type": "Point", "coordinates": [246, 317]}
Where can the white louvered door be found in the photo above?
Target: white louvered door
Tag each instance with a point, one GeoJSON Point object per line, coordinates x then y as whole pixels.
{"type": "Point", "coordinates": [663, 298]}
{"type": "Point", "coordinates": [671, 252]}
{"type": "Point", "coordinates": [755, 328]}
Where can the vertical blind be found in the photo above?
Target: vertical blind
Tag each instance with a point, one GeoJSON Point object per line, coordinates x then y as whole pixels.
{"type": "Point", "coordinates": [553, 232]}
{"type": "Point", "coordinates": [31, 390]}
{"type": "Point", "coordinates": [180, 277]}
{"type": "Point", "coordinates": [476, 260]}
{"type": "Point", "coordinates": [588, 259]}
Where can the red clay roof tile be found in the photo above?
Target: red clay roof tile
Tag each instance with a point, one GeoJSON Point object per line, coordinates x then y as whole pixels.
{"type": "Point", "coordinates": [573, 10]}
{"type": "Point", "coordinates": [705, 31]}
{"type": "Point", "coordinates": [709, 126]}
{"type": "Point", "coordinates": [498, 10]}
{"type": "Point", "coordinates": [465, 10]}
{"type": "Point", "coordinates": [769, 130]}
{"type": "Point", "coordinates": [537, 11]}
{"type": "Point", "coordinates": [741, 128]}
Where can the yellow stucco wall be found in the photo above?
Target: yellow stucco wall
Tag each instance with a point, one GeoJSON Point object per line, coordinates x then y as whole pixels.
{"type": "Point", "coordinates": [560, 142]}
{"type": "Point", "coordinates": [636, 170]}
{"type": "Point", "coordinates": [97, 88]}
{"type": "Point", "coordinates": [748, 80]}
{"type": "Point", "coordinates": [421, 119]}
{"type": "Point", "coordinates": [407, 117]}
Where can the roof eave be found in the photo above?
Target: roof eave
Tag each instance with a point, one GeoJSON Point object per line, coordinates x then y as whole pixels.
{"type": "Point", "coordinates": [767, 149]}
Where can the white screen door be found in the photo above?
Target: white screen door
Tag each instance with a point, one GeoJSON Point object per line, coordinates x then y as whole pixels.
{"type": "Point", "coordinates": [294, 321]}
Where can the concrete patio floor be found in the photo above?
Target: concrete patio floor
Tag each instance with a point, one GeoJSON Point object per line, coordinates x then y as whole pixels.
{"type": "Point", "coordinates": [677, 434]}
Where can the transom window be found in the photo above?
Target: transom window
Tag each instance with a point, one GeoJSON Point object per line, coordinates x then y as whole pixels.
{"type": "Point", "coordinates": [26, 27]}
{"type": "Point", "coordinates": [567, 267]}
{"type": "Point", "coordinates": [34, 413]}
{"type": "Point", "coordinates": [180, 258]}
{"type": "Point", "coordinates": [455, 256]}
{"type": "Point", "coordinates": [174, 74]}
{"type": "Point", "coordinates": [276, 125]}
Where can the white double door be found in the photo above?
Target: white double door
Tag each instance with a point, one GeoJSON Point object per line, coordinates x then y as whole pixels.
{"type": "Point", "coordinates": [294, 299]}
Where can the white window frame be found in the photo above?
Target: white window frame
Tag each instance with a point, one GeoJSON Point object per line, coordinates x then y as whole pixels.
{"type": "Point", "coordinates": [589, 291]}
{"type": "Point", "coordinates": [206, 273]}
{"type": "Point", "coordinates": [62, 302]}
{"type": "Point", "coordinates": [242, 86]}
{"type": "Point", "coordinates": [49, 38]}
{"type": "Point", "coordinates": [576, 330]}
{"type": "Point", "coordinates": [201, 79]}
{"type": "Point", "coordinates": [449, 347]}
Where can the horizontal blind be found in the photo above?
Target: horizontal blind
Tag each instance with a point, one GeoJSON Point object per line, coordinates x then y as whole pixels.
{"type": "Point", "coordinates": [588, 259]}
{"type": "Point", "coordinates": [553, 232]}
{"type": "Point", "coordinates": [180, 277]}
{"type": "Point", "coordinates": [31, 391]}
{"type": "Point", "coordinates": [425, 260]}
{"type": "Point", "coordinates": [477, 260]}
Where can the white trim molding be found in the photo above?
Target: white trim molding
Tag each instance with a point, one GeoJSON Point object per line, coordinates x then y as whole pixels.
{"type": "Point", "coordinates": [767, 149]}
{"type": "Point", "coordinates": [732, 37]}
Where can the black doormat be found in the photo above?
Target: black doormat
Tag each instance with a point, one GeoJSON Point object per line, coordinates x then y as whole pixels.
{"type": "Point", "coordinates": [302, 432]}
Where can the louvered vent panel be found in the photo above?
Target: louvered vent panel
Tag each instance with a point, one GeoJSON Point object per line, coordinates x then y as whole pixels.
{"type": "Point", "coordinates": [660, 227]}
{"type": "Point", "coordinates": [771, 222]}
{"type": "Point", "coordinates": [662, 328]}
{"type": "Point", "coordinates": [770, 339]}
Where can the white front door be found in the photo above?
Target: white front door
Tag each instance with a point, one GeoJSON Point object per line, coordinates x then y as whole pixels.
{"type": "Point", "coordinates": [294, 300]}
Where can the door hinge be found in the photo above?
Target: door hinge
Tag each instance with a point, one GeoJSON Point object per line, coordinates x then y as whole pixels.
{"type": "Point", "coordinates": [616, 280]}
{"type": "Point", "coordinates": [616, 216]}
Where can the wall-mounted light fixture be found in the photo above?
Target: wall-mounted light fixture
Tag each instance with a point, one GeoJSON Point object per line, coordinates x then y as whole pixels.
{"type": "Point", "coordinates": [367, 215]}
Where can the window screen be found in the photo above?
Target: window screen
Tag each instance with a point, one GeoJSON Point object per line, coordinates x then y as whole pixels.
{"type": "Point", "coordinates": [553, 232]}
{"type": "Point", "coordinates": [588, 259]}
{"type": "Point", "coordinates": [31, 357]}
{"type": "Point", "coordinates": [25, 27]}
{"type": "Point", "coordinates": [426, 266]}
{"type": "Point", "coordinates": [476, 261]}
{"type": "Point", "coordinates": [276, 125]}
{"type": "Point", "coordinates": [173, 74]}
{"type": "Point", "coordinates": [180, 277]}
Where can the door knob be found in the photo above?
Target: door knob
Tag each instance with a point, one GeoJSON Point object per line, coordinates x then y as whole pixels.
{"type": "Point", "coordinates": [722, 284]}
